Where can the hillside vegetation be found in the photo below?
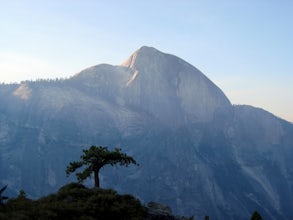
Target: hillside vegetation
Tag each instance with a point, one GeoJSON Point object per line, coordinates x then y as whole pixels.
{"type": "Point", "coordinates": [75, 201]}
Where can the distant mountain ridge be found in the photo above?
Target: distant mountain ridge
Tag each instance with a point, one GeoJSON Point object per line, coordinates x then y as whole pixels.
{"type": "Point", "coordinates": [197, 153]}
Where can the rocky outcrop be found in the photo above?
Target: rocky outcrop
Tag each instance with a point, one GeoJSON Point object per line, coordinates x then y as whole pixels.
{"type": "Point", "coordinates": [156, 211]}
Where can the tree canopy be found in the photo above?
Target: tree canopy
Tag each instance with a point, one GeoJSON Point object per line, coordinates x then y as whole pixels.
{"type": "Point", "coordinates": [94, 158]}
{"type": "Point", "coordinates": [256, 216]}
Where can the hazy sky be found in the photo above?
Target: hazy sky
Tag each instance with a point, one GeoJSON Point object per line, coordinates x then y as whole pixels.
{"type": "Point", "coordinates": [243, 46]}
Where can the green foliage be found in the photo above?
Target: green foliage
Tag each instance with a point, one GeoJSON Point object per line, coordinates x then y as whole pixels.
{"type": "Point", "coordinates": [74, 201]}
{"type": "Point", "coordinates": [21, 194]}
{"type": "Point", "coordinates": [20, 208]}
{"type": "Point", "coordinates": [94, 159]}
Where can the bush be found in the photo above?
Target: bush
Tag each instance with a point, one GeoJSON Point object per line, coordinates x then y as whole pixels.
{"type": "Point", "coordinates": [74, 201]}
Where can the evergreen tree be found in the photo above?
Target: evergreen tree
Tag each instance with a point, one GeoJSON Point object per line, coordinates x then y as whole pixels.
{"type": "Point", "coordinates": [94, 159]}
{"type": "Point", "coordinates": [256, 216]}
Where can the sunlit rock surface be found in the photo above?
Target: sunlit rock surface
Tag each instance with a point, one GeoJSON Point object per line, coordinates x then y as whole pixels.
{"type": "Point", "coordinates": [198, 154]}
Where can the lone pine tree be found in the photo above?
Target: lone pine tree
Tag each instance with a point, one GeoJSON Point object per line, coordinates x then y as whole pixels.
{"type": "Point", "coordinates": [94, 158]}
{"type": "Point", "coordinates": [256, 216]}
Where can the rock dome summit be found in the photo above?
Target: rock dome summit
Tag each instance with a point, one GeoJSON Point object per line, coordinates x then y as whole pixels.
{"type": "Point", "coordinates": [198, 153]}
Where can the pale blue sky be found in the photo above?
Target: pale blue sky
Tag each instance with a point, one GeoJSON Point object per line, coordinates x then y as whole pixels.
{"type": "Point", "coordinates": [244, 46]}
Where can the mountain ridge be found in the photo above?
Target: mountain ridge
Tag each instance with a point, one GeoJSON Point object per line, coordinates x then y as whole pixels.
{"type": "Point", "coordinates": [199, 153]}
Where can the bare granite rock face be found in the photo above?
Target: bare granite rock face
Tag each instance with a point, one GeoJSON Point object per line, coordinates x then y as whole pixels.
{"type": "Point", "coordinates": [171, 89]}
{"type": "Point", "coordinates": [198, 154]}
{"type": "Point", "coordinates": [156, 211]}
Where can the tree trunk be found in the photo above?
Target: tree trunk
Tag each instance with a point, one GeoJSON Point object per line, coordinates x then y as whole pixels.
{"type": "Point", "coordinates": [97, 180]}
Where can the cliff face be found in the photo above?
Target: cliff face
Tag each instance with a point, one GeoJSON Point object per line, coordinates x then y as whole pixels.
{"type": "Point", "coordinates": [197, 153]}
{"type": "Point", "coordinates": [171, 89]}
